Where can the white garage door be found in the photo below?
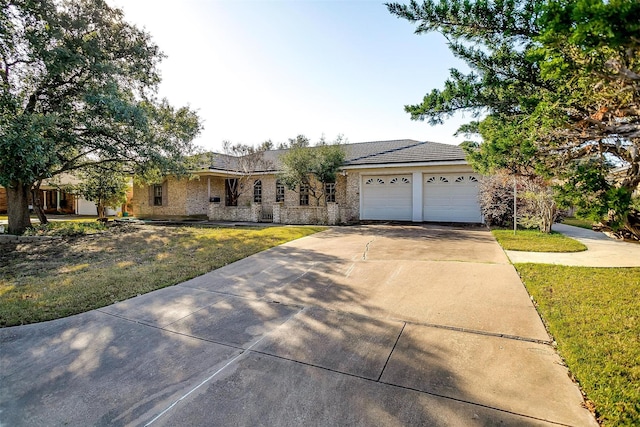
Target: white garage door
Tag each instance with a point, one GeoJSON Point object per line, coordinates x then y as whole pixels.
{"type": "Point", "coordinates": [85, 207]}
{"type": "Point", "coordinates": [451, 198]}
{"type": "Point", "coordinates": [387, 197]}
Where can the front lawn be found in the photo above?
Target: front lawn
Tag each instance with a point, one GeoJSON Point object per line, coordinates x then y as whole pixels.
{"type": "Point", "coordinates": [594, 316]}
{"type": "Point", "coordinates": [71, 275]}
{"type": "Point", "coordinates": [535, 241]}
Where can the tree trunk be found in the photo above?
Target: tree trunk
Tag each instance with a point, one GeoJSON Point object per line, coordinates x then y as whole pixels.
{"type": "Point", "coordinates": [632, 223]}
{"type": "Point", "coordinates": [18, 208]}
{"type": "Point", "coordinates": [100, 207]}
{"type": "Point", "coordinates": [37, 204]}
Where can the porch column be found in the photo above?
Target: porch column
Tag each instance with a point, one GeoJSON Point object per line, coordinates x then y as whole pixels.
{"type": "Point", "coordinates": [209, 188]}
{"type": "Point", "coordinates": [417, 197]}
{"type": "Point", "coordinates": [58, 200]}
{"type": "Point", "coordinates": [44, 200]}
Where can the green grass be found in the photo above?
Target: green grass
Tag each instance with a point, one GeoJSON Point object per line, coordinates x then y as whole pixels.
{"type": "Point", "coordinates": [67, 276]}
{"type": "Point", "coordinates": [577, 222]}
{"type": "Point", "coordinates": [594, 316]}
{"type": "Point", "coordinates": [535, 241]}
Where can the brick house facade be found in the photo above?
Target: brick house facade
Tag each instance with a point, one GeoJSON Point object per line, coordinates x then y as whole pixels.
{"type": "Point", "coordinates": [385, 180]}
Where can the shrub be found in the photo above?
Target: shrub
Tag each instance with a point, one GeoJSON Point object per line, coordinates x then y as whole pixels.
{"type": "Point", "coordinates": [496, 199]}
{"type": "Point", "coordinates": [535, 204]}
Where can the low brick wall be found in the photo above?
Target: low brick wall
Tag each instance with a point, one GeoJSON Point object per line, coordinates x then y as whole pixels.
{"type": "Point", "coordinates": [218, 212]}
{"type": "Point", "coordinates": [303, 215]}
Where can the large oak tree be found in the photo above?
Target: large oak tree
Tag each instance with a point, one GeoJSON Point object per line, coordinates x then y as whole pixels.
{"type": "Point", "coordinates": [78, 88]}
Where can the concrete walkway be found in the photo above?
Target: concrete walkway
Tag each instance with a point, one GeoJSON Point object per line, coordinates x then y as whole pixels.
{"type": "Point", "coordinates": [415, 325]}
{"type": "Point", "coordinates": [602, 251]}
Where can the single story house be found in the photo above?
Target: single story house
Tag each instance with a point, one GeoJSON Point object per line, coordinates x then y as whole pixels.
{"type": "Point", "coordinates": [56, 200]}
{"type": "Point", "coordinates": [400, 180]}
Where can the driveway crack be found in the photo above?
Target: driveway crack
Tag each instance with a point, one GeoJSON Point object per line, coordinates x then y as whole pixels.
{"type": "Point", "coordinates": [366, 249]}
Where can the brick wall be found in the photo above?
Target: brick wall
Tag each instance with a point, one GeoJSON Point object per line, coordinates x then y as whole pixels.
{"type": "Point", "coordinates": [304, 215]}
{"type": "Point", "coordinates": [350, 210]}
{"type": "Point", "coordinates": [197, 200]}
{"type": "Point", "coordinates": [186, 197]}
{"type": "Point", "coordinates": [220, 212]}
{"type": "Point", "coordinates": [174, 201]}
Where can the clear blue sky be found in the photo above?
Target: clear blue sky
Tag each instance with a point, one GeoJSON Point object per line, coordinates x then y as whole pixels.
{"type": "Point", "coordinates": [258, 70]}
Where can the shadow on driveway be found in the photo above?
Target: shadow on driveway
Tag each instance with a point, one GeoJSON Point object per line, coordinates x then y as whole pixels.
{"type": "Point", "coordinates": [296, 335]}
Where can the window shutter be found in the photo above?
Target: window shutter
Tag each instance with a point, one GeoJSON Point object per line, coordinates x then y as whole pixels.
{"type": "Point", "coordinates": [165, 192]}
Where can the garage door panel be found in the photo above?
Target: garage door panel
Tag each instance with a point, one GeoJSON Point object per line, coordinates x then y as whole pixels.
{"type": "Point", "coordinates": [387, 197]}
{"type": "Point", "coordinates": [451, 198]}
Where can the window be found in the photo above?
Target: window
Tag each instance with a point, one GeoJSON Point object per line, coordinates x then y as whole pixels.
{"type": "Point", "coordinates": [304, 195]}
{"type": "Point", "coordinates": [157, 195]}
{"type": "Point", "coordinates": [231, 192]}
{"type": "Point", "coordinates": [279, 191]}
{"type": "Point", "coordinates": [257, 192]}
{"type": "Point", "coordinates": [330, 192]}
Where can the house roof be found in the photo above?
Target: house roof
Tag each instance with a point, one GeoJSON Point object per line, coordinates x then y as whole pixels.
{"type": "Point", "coordinates": [373, 153]}
{"type": "Point", "coordinates": [400, 151]}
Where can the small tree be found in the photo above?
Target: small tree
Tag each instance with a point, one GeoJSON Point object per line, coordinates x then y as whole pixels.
{"type": "Point", "coordinates": [247, 162]}
{"type": "Point", "coordinates": [105, 187]}
{"type": "Point", "coordinates": [312, 167]}
{"type": "Point", "coordinates": [495, 195]}
{"type": "Point", "coordinates": [540, 208]}
{"type": "Point", "coordinates": [535, 202]}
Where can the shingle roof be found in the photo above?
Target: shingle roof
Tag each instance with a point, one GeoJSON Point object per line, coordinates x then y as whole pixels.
{"type": "Point", "coordinates": [401, 151]}
{"type": "Point", "coordinates": [368, 153]}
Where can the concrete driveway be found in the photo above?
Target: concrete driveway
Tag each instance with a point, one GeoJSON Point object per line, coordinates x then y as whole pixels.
{"type": "Point", "coordinates": [374, 325]}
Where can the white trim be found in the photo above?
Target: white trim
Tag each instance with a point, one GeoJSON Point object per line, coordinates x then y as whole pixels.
{"type": "Point", "coordinates": [417, 196]}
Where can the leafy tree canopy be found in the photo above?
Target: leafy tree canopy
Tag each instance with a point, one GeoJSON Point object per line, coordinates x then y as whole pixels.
{"type": "Point", "coordinates": [77, 88]}
{"type": "Point", "coordinates": [106, 187]}
{"type": "Point", "coordinates": [551, 83]}
{"type": "Point", "coordinates": [313, 167]}
{"type": "Point", "coordinates": [247, 162]}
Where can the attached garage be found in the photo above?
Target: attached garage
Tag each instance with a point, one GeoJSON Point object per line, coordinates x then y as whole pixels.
{"type": "Point", "coordinates": [387, 197]}
{"type": "Point", "coordinates": [451, 198]}
{"type": "Point", "coordinates": [85, 207]}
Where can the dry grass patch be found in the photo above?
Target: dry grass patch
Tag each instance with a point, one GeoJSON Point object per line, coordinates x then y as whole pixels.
{"type": "Point", "coordinates": [59, 278]}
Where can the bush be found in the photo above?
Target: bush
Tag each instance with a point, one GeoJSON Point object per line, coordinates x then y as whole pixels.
{"type": "Point", "coordinates": [496, 200]}
{"type": "Point", "coordinates": [535, 204]}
